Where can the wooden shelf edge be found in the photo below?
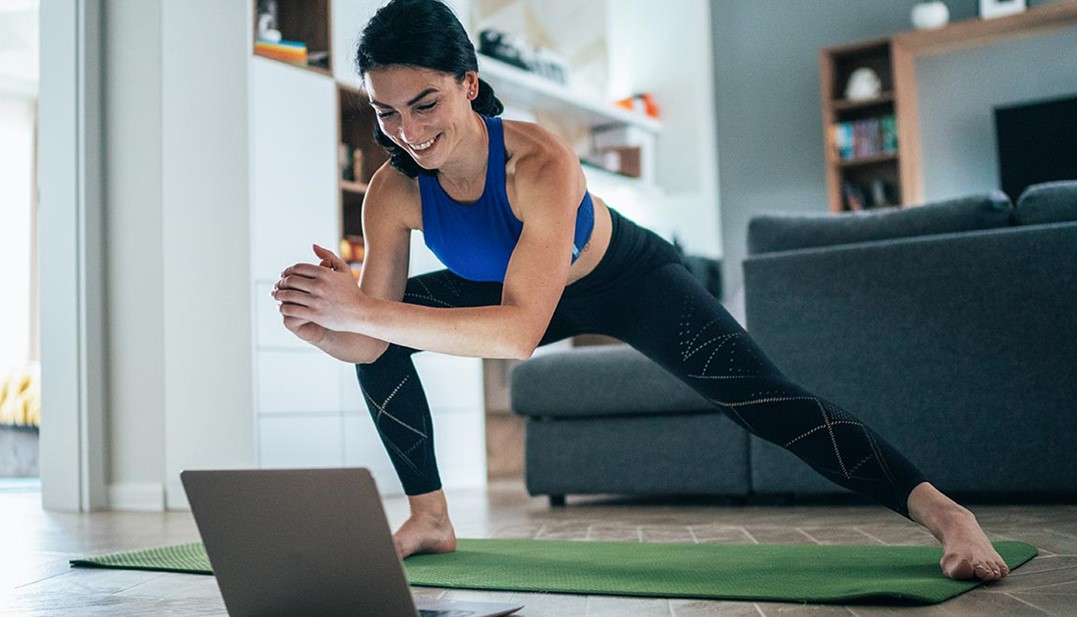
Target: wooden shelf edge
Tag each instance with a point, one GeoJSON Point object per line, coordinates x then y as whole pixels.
{"type": "Point", "coordinates": [979, 32]}
{"type": "Point", "coordinates": [846, 104]}
{"type": "Point", "coordinates": [858, 47]}
{"type": "Point", "coordinates": [302, 67]}
{"type": "Point", "coordinates": [862, 161]}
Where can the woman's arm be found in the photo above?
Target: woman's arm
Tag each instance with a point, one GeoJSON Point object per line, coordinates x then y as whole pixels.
{"type": "Point", "coordinates": [548, 189]}
{"type": "Point", "coordinates": [548, 196]}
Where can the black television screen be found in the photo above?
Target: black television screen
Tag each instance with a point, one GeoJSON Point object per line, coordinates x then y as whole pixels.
{"type": "Point", "coordinates": [1037, 142]}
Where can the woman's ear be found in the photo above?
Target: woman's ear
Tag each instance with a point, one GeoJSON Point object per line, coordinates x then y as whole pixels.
{"type": "Point", "coordinates": [471, 84]}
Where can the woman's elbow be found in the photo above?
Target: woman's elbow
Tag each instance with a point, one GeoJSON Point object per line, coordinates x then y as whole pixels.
{"type": "Point", "coordinates": [523, 347]}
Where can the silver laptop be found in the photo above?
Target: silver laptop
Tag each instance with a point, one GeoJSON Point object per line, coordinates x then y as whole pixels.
{"type": "Point", "coordinates": [307, 542]}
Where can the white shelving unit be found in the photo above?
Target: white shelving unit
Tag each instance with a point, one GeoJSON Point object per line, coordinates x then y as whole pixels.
{"type": "Point", "coordinates": [530, 91]}
{"type": "Point", "coordinates": [309, 411]}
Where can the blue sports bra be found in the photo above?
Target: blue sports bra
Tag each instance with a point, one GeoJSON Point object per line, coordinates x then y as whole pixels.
{"type": "Point", "coordinates": [476, 240]}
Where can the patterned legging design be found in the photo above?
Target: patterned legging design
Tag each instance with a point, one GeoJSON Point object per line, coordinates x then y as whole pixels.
{"type": "Point", "coordinates": [665, 314]}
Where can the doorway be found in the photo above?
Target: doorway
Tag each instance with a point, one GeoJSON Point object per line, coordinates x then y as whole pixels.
{"type": "Point", "coordinates": [20, 399]}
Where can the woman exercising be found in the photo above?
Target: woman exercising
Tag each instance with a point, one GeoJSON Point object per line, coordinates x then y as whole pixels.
{"type": "Point", "coordinates": [533, 258]}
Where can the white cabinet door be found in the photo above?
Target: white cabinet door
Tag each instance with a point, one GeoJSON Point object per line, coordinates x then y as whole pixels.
{"type": "Point", "coordinates": [301, 442]}
{"type": "Point", "coordinates": [269, 325]}
{"type": "Point", "coordinates": [460, 446]}
{"type": "Point", "coordinates": [300, 381]}
{"type": "Point", "coordinates": [451, 383]}
{"type": "Point", "coordinates": [294, 157]}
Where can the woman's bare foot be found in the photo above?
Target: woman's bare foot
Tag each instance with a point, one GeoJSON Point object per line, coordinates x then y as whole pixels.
{"type": "Point", "coordinates": [428, 529]}
{"type": "Point", "coordinates": [967, 553]}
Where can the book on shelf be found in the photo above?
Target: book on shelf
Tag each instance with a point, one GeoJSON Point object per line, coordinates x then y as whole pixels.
{"type": "Point", "coordinates": [293, 52]}
{"type": "Point", "coordinates": [864, 138]}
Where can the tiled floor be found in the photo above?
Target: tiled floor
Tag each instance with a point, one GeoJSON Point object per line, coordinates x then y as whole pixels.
{"type": "Point", "coordinates": [35, 547]}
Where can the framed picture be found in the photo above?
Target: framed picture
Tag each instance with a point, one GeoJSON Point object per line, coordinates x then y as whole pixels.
{"type": "Point", "coordinates": [989, 9]}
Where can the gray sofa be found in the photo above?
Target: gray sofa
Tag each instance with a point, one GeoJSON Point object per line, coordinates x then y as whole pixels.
{"type": "Point", "coordinates": [951, 328]}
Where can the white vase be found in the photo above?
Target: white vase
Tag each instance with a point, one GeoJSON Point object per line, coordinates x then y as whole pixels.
{"type": "Point", "coordinates": [930, 15]}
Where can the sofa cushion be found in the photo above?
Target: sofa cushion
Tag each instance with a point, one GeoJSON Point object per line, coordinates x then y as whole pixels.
{"type": "Point", "coordinates": [786, 232]}
{"type": "Point", "coordinates": [599, 381]}
{"type": "Point", "coordinates": [1050, 202]}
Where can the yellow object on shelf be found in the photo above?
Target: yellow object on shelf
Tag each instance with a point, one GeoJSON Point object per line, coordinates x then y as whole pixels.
{"type": "Point", "coordinates": [20, 397]}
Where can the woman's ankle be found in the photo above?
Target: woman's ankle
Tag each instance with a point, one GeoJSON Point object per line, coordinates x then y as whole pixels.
{"type": "Point", "coordinates": [432, 505]}
{"type": "Point", "coordinates": [934, 510]}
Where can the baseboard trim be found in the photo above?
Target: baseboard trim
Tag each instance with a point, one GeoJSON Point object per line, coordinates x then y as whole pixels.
{"type": "Point", "coordinates": [176, 497]}
{"type": "Point", "coordinates": [136, 497]}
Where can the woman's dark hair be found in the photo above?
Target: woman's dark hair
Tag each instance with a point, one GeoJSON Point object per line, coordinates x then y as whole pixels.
{"type": "Point", "coordinates": [426, 34]}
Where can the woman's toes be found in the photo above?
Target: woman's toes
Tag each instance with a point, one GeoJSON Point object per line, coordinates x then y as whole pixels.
{"type": "Point", "coordinates": [991, 572]}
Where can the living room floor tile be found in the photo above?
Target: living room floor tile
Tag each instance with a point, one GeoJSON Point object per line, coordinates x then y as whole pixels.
{"type": "Point", "coordinates": [38, 581]}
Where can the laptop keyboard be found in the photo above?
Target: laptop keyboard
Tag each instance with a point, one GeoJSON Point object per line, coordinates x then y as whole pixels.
{"type": "Point", "coordinates": [423, 613]}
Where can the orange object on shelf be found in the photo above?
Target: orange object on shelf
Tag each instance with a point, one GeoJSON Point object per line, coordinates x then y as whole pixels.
{"type": "Point", "coordinates": [643, 102]}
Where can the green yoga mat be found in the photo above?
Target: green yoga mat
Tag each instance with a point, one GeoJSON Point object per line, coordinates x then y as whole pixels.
{"type": "Point", "coordinates": [760, 572]}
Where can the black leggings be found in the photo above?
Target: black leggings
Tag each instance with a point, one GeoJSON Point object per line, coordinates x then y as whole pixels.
{"type": "Point", "coordinates": [641, 294]}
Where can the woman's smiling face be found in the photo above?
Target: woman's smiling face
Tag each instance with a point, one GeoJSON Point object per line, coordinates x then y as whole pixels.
{"type": "Point", "coordinates": [422, 110]}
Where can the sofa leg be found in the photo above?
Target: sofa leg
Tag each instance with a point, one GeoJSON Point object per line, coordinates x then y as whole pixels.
{"type": "Point", "coordinates": [557, 501]}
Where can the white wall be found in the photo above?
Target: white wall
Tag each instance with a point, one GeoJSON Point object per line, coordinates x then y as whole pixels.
{"type": "Point", "coordinates": [16, 187]}
{"type": "Point", "coordinates": [205, 244]}
{"type": "Point", "coordinates": [136, 287]}
{"type": "Point", "coordinates": [179, 306]}
{"type": "Point", "coordinates": [665, 48]}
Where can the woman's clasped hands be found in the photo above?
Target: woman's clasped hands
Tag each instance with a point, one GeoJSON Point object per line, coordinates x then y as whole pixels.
{"type": "Point", "coordinates": [315, 298]}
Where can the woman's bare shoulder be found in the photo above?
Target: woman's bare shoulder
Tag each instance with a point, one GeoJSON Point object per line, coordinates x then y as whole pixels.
{"type": "Point", "coordinates": [536, 154]}
{"type": "Point", "coordinates": [541, 165]}
{"type": "Point", "coordinates": [393, 194]}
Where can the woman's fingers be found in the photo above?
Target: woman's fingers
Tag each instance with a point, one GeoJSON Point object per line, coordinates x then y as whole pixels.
{"type": "Point", "coordinates": [299, 276]}
{"type": "Point", "coordinates": [298, 311]}
{"type": "Point", "coordinates": [298, 283]}
{"type": "Point", "coordinates": [307, 270]}
{"type": "Point", "coordinates": [335, 262]}
{"type": "Point", "coordinates": [292, 296]}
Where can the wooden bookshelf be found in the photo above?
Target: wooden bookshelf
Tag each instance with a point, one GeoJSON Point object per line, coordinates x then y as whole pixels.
{"type": "Point", "coordinates": [871, 169]}
{"type": "Point", "coordinates": [894, 58]}
{"type": "Point", "coordinates": [360, 156]}
{"type": "Point", "coordinates": [308, 22]}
